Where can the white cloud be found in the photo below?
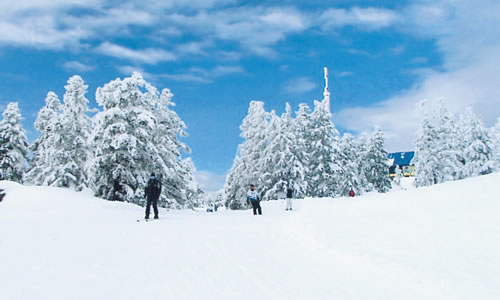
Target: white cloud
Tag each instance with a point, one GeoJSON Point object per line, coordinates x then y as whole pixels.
{"type": "Point", "coordinates": [148, 56]}
{"type": "Point", "coordinates": [398, 49]}
{"type": "Point", "coordinates": [218, 71]}
{"type": "Point", "coordinates": [192, 75]}
{"type": "Point", "coordinates": [77, 66]}
{"type": "Point", "coordinates": [204, 76]}
{"type": "Point", "coordinates": [299, 85]}
{"type": "Point", "coordinates": [343, 74]}
{"type": "Point", "coordinates": [419, 60]}
{"type": "Point", "coordinates": [360, 52]}
{"type": "Point", "coordinates": [128, 70]}
{"type": "Point", "coordinates": [210, 182]}
{"type": "Point", "coordinates": [256, 29]}
{"type": "Point", "coordinates": [368, 18]}
{"type": "Point", "coordinates": [187, 77]}
{"type": "Point", "coordinates": [470, 48]}
{"type": "Point", "coordinates": [194, 48]}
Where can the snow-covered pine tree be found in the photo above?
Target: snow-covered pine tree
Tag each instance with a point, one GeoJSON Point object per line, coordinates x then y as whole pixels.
{"type": "Point", "coordinates": [124, 140]}
{"type": "Point", "coordinates": [324, 167]}
{"type": "Point", "coordinates": [269, 179]}
{"type": "Point", "coordinates": [478, 149]}
{"type": "Point", "coordinates": [246, 166]}
{"type": "Point", "coordinates": [348, 177]}
{"type": "Point", "coordinates": [136, 134]}
{"type": "Point", "coordinates": [13, 144]}
{"type": "Point", "coordinates": [447, 146]}
{"type": "Point", "coordinates": [234, 187]}
{"type": "Point", "coordinates": [71, 138]}
{"type": "Point", "coordinates": [426, 159]}
{"type": "Point", "coordinates": [363, 167]}
{"type": "Point", "coordinates": [43, 148]}
{"type": "Point", "coordinates": [191, 186]}
{"type": "Point", "coordinates": [378, 167]}
{"type": "Point", "coordinates": [283, 165]}
{"type": "Point", "coordinates": [495, 136]}
{"type": "Point", "coordinates": [178, 174]}
{"type": "Point", "coordinates": [302, 125]}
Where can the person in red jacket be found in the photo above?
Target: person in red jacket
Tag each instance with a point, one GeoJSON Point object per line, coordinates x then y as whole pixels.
{"type": "Point", "coordinates": [351, 193]}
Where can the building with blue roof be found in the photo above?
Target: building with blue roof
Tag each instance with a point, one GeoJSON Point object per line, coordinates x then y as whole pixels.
{"type": "Point", "coordinates": [403, 161]}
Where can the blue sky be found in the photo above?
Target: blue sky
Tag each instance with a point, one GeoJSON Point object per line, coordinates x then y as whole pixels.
{"type": "Point", "coordinates": [216, 56]}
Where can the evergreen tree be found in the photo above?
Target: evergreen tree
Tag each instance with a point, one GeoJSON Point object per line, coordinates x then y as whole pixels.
{"type": "Point", "coordinates": [447, 147]}
{"type": "Point", "coordinates": [349, 177]}
{"type": "Point", "coordinates": [123, 139]}
{"type": "Point", "coordinates": [437, 154]}
{"type": "Point", "coordinates": [495, 136]}
{"type": "Point", "coordinates": [378, 172]}
{"type": "Point", "coordinates": [270, 179]}
{"type": "Point", "coordinates": [363, 167]}
{"type": "Point", "coordinates": [136, 134]}
{"type": "Point", "coordinates": [478, 149]}
{"type": "Point", "coordinates": [192, 189]}
{"type": "Point", "coordinates": [43, 148]}
{"type": "Point", "coordinates": [13, 144]}
{"type": "Point", "coordinates": [301, 148]}
{"type": "Point", "coordinates": [324, 167]}
{"type": "Point", "coordinates": [249, 159]}
{"type": "Point", "coordinates": [234, 187]}
{"type": "Point", "coordinates": [426, 159]}
{"type": "Point", "coordinates": [179, 174]}
{"type": "Point", "coordinates": [283, 165]}
{"type": "Point", "coordinates": [71, 138]}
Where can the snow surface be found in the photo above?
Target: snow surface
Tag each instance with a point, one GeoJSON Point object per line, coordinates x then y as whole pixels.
{"type": "Point", "coordinates": [439, 242]}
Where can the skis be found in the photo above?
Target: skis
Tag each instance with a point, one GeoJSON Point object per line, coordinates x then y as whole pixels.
{"type": "Point", "coordinates": [147, 220]}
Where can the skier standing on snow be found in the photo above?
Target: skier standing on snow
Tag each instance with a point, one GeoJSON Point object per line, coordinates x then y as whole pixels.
{"type": "Point", "coordinates": [289, 195]}
{"type": "Point", "coordinates": [351, 193]}
{"type": "Point", "coordinates": [253, 197]}
{"type": "Point", "coordinates": [152, 194]}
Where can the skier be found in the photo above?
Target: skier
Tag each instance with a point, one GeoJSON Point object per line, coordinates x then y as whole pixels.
{"type": "Point", "coordinates": [116, 189]}
{"type": "Point", "coordinates": [351, 193]}
{"type": "Point", "coordinates": [253, 197]}
{"type": "Point", "coordinates": [2, 194]}
{"type": "Point", "coordinates": [289, 194]}
{"type": "Point", "coordinates": [152, 193]}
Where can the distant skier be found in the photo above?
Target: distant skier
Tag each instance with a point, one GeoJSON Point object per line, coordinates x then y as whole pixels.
{"type": "Point", "coordinates": [351, 193]}
{"type": "Point", "coordinates": [289, 195]}
{"type": "Point", "coordinates": [152, 194]}
{"type": "Point", "coordinates": [116, 189]}
{"type": "Point", "coordinates": [253, 197]}
{"type": "Point", "coordinates": [2, 194]}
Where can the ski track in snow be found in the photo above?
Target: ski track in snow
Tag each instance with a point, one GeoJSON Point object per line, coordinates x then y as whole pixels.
{"type": "Point", "coordinates": [440, 242]}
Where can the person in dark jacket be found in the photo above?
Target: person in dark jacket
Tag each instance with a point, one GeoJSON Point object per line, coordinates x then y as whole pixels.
{"type": "Point", "coordinates": [2, 194]}
{"type": "Point", "coordinates": [253, 197]}
{"type": "Point", "coordinates": [351, 193]}
{"type": "Point", "coordinates": [289, 195]}
{"type": "Point", "coordinates": [152, 194]}
{"type": "Point", "coordinates": [116, 189]}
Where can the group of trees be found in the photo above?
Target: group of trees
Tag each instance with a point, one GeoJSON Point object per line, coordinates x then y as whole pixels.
{"type": "Point", "coordinates": [449, 148]}
{"type": "Point", "coordinates": [135, 133]}
{"type": "Point", "coordinates": [306, 152]}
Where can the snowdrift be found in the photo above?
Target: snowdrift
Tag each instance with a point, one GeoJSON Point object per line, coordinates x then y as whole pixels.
{"type": "Point", "coordinates": [440, 242]}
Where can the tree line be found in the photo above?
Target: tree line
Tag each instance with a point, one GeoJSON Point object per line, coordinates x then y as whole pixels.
{"type": "Point", "coordinates": [450, 148]}
{"type": "Point", "coordinates": [306, 152]}
{"type": "Point", "coordinates": [134, 133]}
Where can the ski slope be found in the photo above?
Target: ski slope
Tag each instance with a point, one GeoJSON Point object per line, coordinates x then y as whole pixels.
{"type": "Point", "coordinates": [441, 242]}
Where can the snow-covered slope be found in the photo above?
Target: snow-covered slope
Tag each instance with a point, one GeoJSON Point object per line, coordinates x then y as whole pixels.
{"type": "Point", "coordinates": [441, 242]}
